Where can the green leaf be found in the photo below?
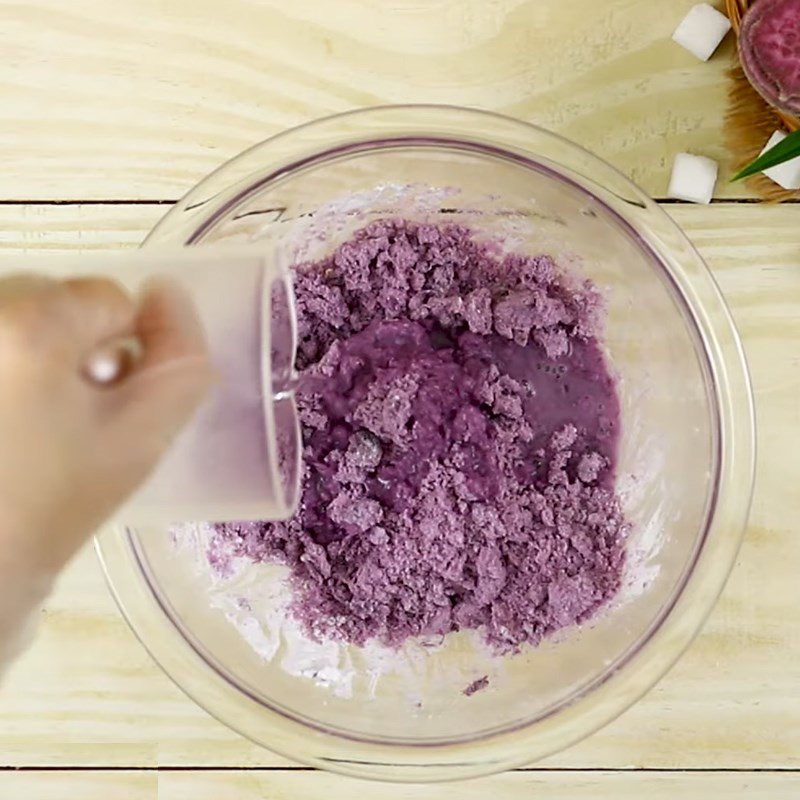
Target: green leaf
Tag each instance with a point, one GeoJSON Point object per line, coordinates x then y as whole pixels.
{"type": "Point", "coordinates": [784, 151]}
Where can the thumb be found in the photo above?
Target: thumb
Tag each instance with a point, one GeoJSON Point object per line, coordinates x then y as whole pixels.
{"type": "Point", "coordinates": [168, 383]}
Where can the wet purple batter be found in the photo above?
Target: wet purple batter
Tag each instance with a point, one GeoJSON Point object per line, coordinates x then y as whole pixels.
{"type": "Point", "coordinates": [460, 430]}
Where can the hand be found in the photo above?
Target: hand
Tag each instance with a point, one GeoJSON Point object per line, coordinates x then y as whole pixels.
{"type": "Point", "coordinates": [71, 450]}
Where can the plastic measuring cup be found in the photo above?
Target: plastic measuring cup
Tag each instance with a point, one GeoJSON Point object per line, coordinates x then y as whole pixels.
{"type": "Point", "coordinates": [239, 457]}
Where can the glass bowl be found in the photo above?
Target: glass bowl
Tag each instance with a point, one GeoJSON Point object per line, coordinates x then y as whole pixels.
{"type": "Point", "coordinates": [685, 468]}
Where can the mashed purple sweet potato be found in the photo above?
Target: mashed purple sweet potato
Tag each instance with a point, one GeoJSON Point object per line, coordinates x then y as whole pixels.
{"type": "Point", "coordinates": [460, 432]}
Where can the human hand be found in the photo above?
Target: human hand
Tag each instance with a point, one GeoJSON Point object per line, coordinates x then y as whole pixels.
{"type": "Point", "coordinates": [72, 449]}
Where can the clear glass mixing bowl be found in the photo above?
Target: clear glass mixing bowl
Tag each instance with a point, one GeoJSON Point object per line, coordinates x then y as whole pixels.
{"type": "Point", "coordinates": [685, 463]}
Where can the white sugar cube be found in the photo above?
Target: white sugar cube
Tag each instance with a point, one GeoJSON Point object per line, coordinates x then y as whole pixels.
{"type": "Point", "coordinates": [787, 174]}
{"type": "Point", "coordinates": [701, 30]}
{"type": "Point", "coordinates": [693, 178]}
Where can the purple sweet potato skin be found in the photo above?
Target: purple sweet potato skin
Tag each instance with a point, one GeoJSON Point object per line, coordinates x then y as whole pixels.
{"type": "Point", "coordinates": [769, 47]}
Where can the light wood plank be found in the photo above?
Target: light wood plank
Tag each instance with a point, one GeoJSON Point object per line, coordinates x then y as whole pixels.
{"type": "Point", "coordinates": [86, 694]}
{"type": "Point", "coordinates": [283, 785]}
{"type": "Point", "coordinates": [141, 98]}
{"type": "Point", "coordinates": [79, 785]}
{"type": "Point", "coordinates": [510, 786]}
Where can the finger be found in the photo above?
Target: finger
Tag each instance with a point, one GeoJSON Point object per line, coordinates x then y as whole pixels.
{"type": "Point", "coordinates": [168, 383]}
{"type": "Point", "coordinates": [55, 325]}
{"type": "Point", "coordinates": [37, 320]}
{"type": "Point", "coordinates": [168, 326]}
{"type": "Point", "coordinates": [13, 287]}
{"type": "Point", "coordinates": [151, 410]}
{"type": "Point", "coordinates": [103, 310]}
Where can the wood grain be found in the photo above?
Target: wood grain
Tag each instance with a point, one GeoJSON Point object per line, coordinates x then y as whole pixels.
{"type": "Point", "coordinates": [285, 785]}
{"type": "Point", "coordinates": [86, 694]}
{"type": "Point", "coordinates": [139, 99]}
{"type": "Point", "coordinates": [94, 785]}
{"type": "Point", "coordinates": [122, 99]}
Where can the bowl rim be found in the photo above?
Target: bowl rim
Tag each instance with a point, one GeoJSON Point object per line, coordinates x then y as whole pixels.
{"type": "Point", "coordinates": [677, 622]}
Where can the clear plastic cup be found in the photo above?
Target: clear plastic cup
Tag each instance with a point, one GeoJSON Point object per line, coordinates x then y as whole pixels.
{"type": "Point", "coordinates": [685, 462]}
{"type": "Point", "coordinates": [239, 457]}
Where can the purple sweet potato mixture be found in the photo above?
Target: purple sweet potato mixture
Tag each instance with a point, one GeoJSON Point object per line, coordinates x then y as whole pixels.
{"type": "Point", "coordinates": [460, 433]}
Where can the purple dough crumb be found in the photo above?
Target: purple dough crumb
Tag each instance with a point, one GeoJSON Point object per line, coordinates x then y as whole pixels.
{"type": "Point", "coordinates": [476, 686]}
{"type": "Point", "coordinates": [460, 433]}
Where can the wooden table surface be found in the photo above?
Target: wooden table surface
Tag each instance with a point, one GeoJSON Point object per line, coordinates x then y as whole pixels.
{"type": "Point", "coordinates": [111, 109]}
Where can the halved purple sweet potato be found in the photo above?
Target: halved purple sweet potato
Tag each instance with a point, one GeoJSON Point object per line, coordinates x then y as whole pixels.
{"type": "Point", "coordinates": [769, 47]}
